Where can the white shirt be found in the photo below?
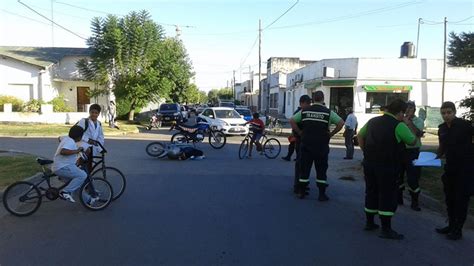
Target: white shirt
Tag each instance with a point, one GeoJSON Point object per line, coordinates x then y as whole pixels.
{"type": "Point", "coordinates": [60, 160]}
{"type": "Point", "coordinates": [351, 121]}
{"type": "Point", "coordinates": [94, 132]}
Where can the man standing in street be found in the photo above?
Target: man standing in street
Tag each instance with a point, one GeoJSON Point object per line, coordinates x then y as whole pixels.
{"type": "Point", "coordinates": [305, 102]}
{"type": "Point", "coordinates": [382, 140]}
{"type": "Point", "coordinates": [349, 132]}
{"type": "Point", "coordinates": [456, 141]}
{"type": "Point", "coordinates": [416, 125]}
{"type": "Point", "coordinates": [315, 121]}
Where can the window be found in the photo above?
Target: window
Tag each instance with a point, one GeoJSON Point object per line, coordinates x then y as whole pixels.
{"type": "Point", "coordinates": [207, 112]}
{"type": "Point", "coordinates": [375, 100]}
{"type": "Point", "coordinates": [231, 113]}
{"type": "Point", "coordinates": [274, 100]}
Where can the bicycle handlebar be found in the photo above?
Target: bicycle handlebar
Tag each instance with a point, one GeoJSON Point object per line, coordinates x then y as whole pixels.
{"type": "Point", "coordinates": [96, 143]}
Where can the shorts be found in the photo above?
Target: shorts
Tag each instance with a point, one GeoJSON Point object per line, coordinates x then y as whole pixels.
{"type": "Point", "coordinates": [256, 137]}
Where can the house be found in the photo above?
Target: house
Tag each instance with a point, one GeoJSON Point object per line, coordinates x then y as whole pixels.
{"type": "Point", "coordinates": [43, 73]}
{"type": "Point", "coordinates": [273, 94]}
{"type": "Point", "coordinates": [367, 84]}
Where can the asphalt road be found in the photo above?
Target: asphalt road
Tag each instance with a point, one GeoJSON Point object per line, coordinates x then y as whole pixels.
{"type": "Point", "coordinates": [219, 211]}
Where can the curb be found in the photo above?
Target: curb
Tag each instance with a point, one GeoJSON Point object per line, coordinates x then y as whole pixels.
{"type": "Point", "coordinates": [28, 179]}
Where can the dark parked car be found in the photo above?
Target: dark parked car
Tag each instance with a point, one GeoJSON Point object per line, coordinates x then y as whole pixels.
{"type": "Point", "coordinates": [170, 112]}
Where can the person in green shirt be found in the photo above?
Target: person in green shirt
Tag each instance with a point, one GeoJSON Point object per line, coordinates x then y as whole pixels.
{"type": "Point", "coordinates": [416, 125]}
{"type": "Point", "coordinates": [315, 136]}
{"type": "Point", "coordinates": [382, 140]}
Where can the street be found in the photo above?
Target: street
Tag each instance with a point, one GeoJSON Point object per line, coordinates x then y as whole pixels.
{"type": "Point", "coordinates": [219, 211]}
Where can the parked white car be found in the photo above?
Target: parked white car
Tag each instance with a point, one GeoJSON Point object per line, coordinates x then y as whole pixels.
{"type": "Point", "coordinates": [226, 118]}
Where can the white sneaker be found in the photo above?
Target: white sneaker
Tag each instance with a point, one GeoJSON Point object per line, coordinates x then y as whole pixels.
{"type": "Point", "coordinates": [67, 196]}
{"type": "Point", "coordinates": [92, 200]}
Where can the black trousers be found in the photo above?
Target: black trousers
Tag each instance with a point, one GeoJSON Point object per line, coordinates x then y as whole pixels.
{"type": "Point", "coordinates": [291, 149]}
{"type": "Point", "coordinates": [318, 156]}
{"type": "Point", "coordinates": [458, 181]}
{"type": "Point", "coordinates": [348, 136]}
{"type": "Point", "coordinates": [381, 187]}
{"type": "Point", "coordinates": [297, 163]}
{"type": "Point", "coordinates": [413, 172]}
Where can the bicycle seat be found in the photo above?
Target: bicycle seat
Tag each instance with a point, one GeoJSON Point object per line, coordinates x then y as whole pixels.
{"type": "Point", "coordinates": [44, 161]}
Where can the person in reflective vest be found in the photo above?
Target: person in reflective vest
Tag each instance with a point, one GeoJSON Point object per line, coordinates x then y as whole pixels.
{"type": "Point", "coordinates": [315, 136]}
{"type": "Point", "coordinates": [413, 173]}
{"type": "Point", "coordinates": [382, 140]}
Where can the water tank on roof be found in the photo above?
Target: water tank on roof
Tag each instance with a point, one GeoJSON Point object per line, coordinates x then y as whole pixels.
{"type": "Point", "coordinates": [407, 50]}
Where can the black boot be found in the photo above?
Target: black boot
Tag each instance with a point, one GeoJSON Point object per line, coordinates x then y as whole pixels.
{"type": "Point", "coordinates": [302, 191]}
{"type": "Point", "coordinates": [370, 225]}
{"type": "Point", "coordinates": [322, 194]}
{"type": "Point", "coordinates": [456, 232]}
{"type": "Point", "coordinates": [414, 201]}
{"type": "Point", "coordinates": [400, 197]}
{"type": "Point", "coordinates": [387, 231]}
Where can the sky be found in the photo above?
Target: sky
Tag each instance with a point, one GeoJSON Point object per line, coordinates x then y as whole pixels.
{"type": "Point", "coordinates": [220, 36]}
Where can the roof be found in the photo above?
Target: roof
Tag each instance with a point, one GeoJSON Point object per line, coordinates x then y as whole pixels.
{"type": "Point", "coordinates": [42, 56]}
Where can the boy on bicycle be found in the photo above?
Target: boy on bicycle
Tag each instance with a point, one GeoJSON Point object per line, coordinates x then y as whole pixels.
{"type": "Point", "coordinates": [65, 162]}
{"type": "Point", "coordinates": [92, 132]}
{"type": "Point", "coordinates": [257, 127]}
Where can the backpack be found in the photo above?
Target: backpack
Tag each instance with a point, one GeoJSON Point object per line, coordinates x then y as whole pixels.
{"type": "Point", "coordinates": [87, 124]}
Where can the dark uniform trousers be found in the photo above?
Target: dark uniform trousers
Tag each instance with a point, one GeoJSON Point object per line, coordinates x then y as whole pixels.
{"type": "Point", "coordinates": [381, 187]}
{"type": "Point", "coordinates": [319, 157]}
{"type": "Point", "coordinates": [458, 187]}
{"type": "Point", "coordinates": [297, 163]}
{"type": "Point", "coordinates": [413, 173]}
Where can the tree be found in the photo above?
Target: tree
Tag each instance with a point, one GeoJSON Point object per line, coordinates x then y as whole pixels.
{"type": "Point", "coordinates": [131, 56]}
{"type": "Point", "coordinates": [461, 49]}
{"type": "Point", "coordinates": [461, 53]}
{"type": "Point", "coordinates": [223, 93]}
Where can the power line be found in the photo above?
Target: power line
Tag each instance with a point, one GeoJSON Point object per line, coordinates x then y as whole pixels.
{"type": "Point", "coordinates": [284, 13]}
{"type": "Point", "coordinates": [43, 16]}
{"type": "Point", "coordinates": [25, 17]}
{"type": "Point", "coordinates": [355, 15]}
{"type": "Point", "coordinates": [248, 54]}
{"type": "Point", "coordinates": [466, 19]}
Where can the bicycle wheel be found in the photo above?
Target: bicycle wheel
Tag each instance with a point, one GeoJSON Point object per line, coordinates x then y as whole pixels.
{"type": "Point", "coordinates": [217, 139]}
{"type": "Point", "coordinates": [179, 138]}
{"type": "Point", "coordinates": [271, 148]}
{"type": "Point", "coordinates": [156, 149]}
{"type": "Point", "coordinates": [115, 178]}
{"type": "Point", "coordinates": [244, 148]}
{"type": "Point", "coordinates": [96, 194]}
{"type": "Point", "coordinates": [22, 198]}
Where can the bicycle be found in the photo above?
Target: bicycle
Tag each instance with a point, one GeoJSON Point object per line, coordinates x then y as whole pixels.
{"type": "Point", "coordinates": [271, 147]}
{"type": "Point", "coordinates": [23, 198]}
{"type": "Point", "coordinates": [274, 126]}
{"type": "Point", "coordinates": [113, 175]}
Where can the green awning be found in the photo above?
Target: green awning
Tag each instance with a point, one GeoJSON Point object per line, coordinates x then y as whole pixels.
{"type": "Point", "coordinates": [387, 88]}
{"type": "Point", "coordinates": [312, 84]}
{"type": "Point", "coordinates": [339, 82]}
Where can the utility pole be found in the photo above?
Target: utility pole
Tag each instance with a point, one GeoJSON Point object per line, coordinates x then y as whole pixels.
{"type": "Point", "coordinates": [52, 24]}
{"type": "Point", "coordinates": [260, 64]}
{"type": "Point", "coordinates": [418, 37]}
{"type": "Point", "coordinates": [444, 59]}
{"type": "Point", "coordinates": [233, 85]}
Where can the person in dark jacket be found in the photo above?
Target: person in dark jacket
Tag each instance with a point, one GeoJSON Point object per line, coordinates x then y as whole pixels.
{"type": "Point", "coordinates": [382, 141]}
{"type": "Point", "coordinates": [315, 136]}
{"type": "Point", "coordinates": [456, 137]}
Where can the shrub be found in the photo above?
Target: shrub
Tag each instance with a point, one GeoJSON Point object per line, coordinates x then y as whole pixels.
{"type": "Point", "coordinates": [17, 104]}
{"type": "Point", "coordinates": [33, 106]}
{"type": "Point", "coordinates": [59, 104]}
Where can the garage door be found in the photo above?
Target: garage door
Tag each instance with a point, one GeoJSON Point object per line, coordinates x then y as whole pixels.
{"type": "Point", "coordinates": [22, 91]}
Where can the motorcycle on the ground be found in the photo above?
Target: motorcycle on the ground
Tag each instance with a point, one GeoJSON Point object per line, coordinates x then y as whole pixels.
{"type": "Point", "coordinates": [197, 133]}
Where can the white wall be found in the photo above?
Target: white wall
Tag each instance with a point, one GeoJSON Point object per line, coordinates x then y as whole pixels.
{"type": "Point", "coordinates": [51, 118]}
{"type": "Point", "coordinates": [14, 72]}
{"type": "Point", "coordinates": [66, 68]}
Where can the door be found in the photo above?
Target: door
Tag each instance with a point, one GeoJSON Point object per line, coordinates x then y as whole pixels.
{"type": "Point", "coordinates": [341, 99]}
{"type": "Point", "coordinates": [82, 99]}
